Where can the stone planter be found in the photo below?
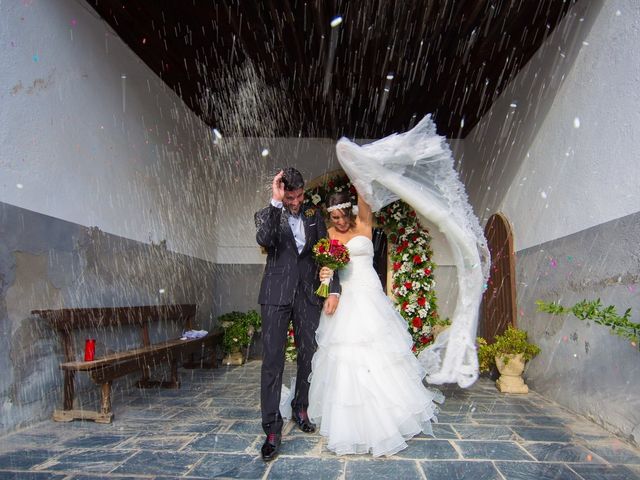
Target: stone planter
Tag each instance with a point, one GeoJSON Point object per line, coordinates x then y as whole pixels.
{"type": "Point", "coordinates": [510, 380]}
{"type": "Point", "coordinates": [233, 358]}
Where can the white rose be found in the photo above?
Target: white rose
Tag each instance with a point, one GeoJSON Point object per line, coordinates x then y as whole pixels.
{"type": "Point", "coordinates": [315, 199]}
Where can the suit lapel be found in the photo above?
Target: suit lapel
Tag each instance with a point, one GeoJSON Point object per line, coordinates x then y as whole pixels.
{"type": "Point", "coordinates": [286, 228]}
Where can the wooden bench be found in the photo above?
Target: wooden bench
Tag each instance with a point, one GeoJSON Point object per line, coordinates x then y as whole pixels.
{"type": "Point", "coordinates": [105, 369]}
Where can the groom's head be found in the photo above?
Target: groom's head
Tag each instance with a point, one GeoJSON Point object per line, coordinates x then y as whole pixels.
{"type": "Point", "coordinates": [293, 190]}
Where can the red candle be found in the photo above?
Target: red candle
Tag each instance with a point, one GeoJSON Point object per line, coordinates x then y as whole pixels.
{"type": "Point", "coordinates": [89, 349]}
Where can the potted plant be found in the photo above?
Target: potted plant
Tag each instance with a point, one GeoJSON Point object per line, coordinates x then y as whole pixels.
{"type": "Point", "coordinates": [509, 352]}
{"type": "Point", "coordinates": [239, 329]}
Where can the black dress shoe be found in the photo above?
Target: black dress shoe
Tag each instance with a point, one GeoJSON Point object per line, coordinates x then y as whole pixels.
{"type": "Point", "coordinates": [270, 447]}
{"type": "Point", "coordinates": [303, 422]}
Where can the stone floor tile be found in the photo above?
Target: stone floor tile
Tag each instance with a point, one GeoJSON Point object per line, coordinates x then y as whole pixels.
{"type": "Point", "coordinates": [223, 442]}
{"type": "Point", "coordinates": [615, 452]}
{"type": "Point", "coordinates": [499, 419]}
{"type": "Point", "coordinates": [159, 463]}
{"type": "Point", "coordinates": [491, 450]}
{"type": "Point", "coordinates": [306, 468]}
{"type": "Point", "coordinates": [382, 468]}
{"type": "Point", "coordinates": [157, 442]}
{"type": "Point", "coordinates": [440, 431]}
{"type": "Point", "coordinates": [300, 445]}
{"type": "Point", "coordinates": [229, 466]}
{"type": "Point", "coordinates": [98, 461]}
{"type": "Point", "coordinates": [560, 452]}
{"type": "Point", "coordinates": [536, 471]}
{"type": "Point", "coordinates": [604, 472]}
{"type": "Point", "coordinates": [484, 432]}
{"type": "Point", "coordinates": [460, 470]}
{"type": "Point", "coordinates": [23, 459]}
{"type": "Point", "coordinates": [543, 434]}
{"type": "Point", "coordinates": [4, 475]}
{"type": "Point", "coordinates": [428, 449]}
{"type": "Point", "coordinates": [95, 440]}
{"type": "Point", "coordinates": [246, 427]}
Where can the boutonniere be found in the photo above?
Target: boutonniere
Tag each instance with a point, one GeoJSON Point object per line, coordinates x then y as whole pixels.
{"type": "Point", "coordinates": [309, 212]}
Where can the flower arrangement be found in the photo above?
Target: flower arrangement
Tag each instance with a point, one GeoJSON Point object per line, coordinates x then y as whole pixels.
{"type": "Point", "coordinates": [332, 254]}
{"type": "Point", "coordinates": [413, 282]}
{"type": "Point", "coordinates": [410, 253]}
{"type": "Point", "coordinates": [239, 328]}
{"type": "Point", "coordinates": [512, 342]}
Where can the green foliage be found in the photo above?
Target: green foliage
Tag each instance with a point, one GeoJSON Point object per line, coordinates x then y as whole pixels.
{"type": "Point", "coordinates": [512, 342]}
{"type": "Point", "coordinates": [595, 311]}
{"type": "Point", "coordinates": [239, 328]}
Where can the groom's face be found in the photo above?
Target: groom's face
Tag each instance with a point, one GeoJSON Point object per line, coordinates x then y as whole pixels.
{"type": "Point", "coordinates": [293, 200]}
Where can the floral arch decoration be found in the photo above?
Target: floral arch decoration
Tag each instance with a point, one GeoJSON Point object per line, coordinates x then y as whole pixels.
{"type": "Point", "coordinates": [410, 259]}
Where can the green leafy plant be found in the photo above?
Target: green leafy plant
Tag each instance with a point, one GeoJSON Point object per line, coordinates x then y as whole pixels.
{"type": "Point", "coordinates": [596, 312]}
{"type": "Point", "coordinates": [239, 328]}
{"type": "Point", "coordinates": [512, 342]}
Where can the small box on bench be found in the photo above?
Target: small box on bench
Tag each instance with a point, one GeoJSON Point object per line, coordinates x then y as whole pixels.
{"type": "Point", "coordinates": [104, 369]}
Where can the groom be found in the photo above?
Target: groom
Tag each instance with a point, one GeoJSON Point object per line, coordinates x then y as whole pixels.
{"type": "Point", "coordinates": [288, 230]}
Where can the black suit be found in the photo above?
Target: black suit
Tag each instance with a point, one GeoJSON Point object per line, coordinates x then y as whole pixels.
{"type": "Point", "coordinates": [287, 293]}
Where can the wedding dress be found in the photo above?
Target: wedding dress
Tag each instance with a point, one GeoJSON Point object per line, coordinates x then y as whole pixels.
{"type": "Point", "coordinates": [366, 391]}
{"type": "Point", "coordinates": [417, 167]}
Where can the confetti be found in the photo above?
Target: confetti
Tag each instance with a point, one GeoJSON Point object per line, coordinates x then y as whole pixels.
{"type": "Point", "coordinates": [74, 22]}
{"type": "Point", "coordinates": [576, 122]}
{"type": "Point", "coordinates": [265, 152]}
{"type": "Point", "coordinates": [553, 263]}
{"type": "Point", "coordinates": [336, 21]}
{"type": "Point", "coordinates": [36, 58]}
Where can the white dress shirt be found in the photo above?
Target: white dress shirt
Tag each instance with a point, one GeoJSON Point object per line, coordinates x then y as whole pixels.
{"type": "Point", "coordinates": [297, 226]}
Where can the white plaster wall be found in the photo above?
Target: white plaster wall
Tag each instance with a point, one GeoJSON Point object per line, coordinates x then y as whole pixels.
{"type": "Point", "coordinates": [91, 147]}
{"type": "Point", "coordinates": [565, 157]}
{"type": "Point", "coordinates": [582, 168]}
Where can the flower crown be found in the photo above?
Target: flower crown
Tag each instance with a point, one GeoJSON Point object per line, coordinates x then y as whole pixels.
{"type": "Point", "coordinates": [339, 206]}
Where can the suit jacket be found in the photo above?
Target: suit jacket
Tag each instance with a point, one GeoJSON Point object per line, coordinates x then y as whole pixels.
{"type": "Point", "coordinates": [287, 272]}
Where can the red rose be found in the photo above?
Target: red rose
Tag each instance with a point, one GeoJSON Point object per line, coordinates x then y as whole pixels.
{"type": "Point", "coordinates": [415, 239]}
{"type": "Point", "coordinates": [427, 271]}
{"type": "Point", "coordinates": [401, 230]}
{"type": "Point", "coordinates": [412, 213]}
{"type": "Point", "coordinates": [393, 238]}
{"type": "Point", "coordinates": [352, 189]}
{"type": "Point", "coordinates": [331, 184]}
{"type": "Point", "coordinates": [405, 305]}
{"type": "Point", "coordinates": [400, 248]}
{"type": "Point", "coordinates": [425, 339]}
{"type": "Point", "coordinates": [422, 301]}
{"type": "Point", "coordinates": [408, 285]}
{"type": "Point", "coordinates": [291, 332]}
{"type": "Point", "coordinates": [417, 322]}
{"type": "Point", "coordinates": [414, 349]}
{"type": "Point", "coordinates": [396, 266]}
{"type": "Point", "coordinates": [417, 259]}
{"type": "Point", "coordinates": [405, 244]}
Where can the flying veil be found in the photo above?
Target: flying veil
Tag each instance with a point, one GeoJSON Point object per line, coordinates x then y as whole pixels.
{"type": "Point", "coordinates": [417, 167]}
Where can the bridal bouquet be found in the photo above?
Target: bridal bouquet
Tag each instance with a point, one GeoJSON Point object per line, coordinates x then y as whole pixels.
{"type": "Point", "coordinates": [332, 254]}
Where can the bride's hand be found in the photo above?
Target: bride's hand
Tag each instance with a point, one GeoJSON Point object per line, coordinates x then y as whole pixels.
{"type": "Point", "coordinates": [325, 273]}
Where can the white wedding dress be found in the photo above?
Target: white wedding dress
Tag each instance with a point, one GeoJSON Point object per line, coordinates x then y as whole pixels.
{"type": "Point", "coordinates": [367, 394]}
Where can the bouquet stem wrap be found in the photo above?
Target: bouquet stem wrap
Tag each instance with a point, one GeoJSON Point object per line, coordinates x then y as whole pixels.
{"type": "Point", "coordinates": [332, 254]}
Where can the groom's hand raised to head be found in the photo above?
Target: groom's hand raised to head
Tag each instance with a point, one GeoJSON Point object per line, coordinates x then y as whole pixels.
{"type": "Point", "coordinates": [278, 187]}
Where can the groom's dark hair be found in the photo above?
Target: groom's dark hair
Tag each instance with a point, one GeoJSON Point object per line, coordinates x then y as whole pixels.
{"type": "Point", "coordinates": [292, 179]}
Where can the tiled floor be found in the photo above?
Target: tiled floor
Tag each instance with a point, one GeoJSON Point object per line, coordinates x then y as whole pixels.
{"type": "Point", "coordinates": [210, 428]}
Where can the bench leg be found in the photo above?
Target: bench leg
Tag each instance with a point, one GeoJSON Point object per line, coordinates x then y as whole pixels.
{"type": "Point", "coordinates": [105, 415]}
{"type": "Point", "coordinates": [69, 390]}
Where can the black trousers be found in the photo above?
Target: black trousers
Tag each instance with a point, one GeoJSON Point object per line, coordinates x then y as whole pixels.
{"type": "Point", "coordinates": [275, 323]}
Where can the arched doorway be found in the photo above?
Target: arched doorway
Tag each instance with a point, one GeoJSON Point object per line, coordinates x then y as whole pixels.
{"type": "Point", "coordinates": [499, 301]}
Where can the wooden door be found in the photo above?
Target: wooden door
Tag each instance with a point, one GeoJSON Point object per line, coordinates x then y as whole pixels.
{"type": "Point", "coordinates": [499, 301]}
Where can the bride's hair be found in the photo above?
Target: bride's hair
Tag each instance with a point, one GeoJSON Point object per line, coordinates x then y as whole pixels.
{"type": "Point", "coordinates": [338, 198]}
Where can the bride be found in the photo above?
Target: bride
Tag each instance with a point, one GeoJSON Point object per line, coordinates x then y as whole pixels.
{"type": "Point", "coordinates": [366, 389]}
